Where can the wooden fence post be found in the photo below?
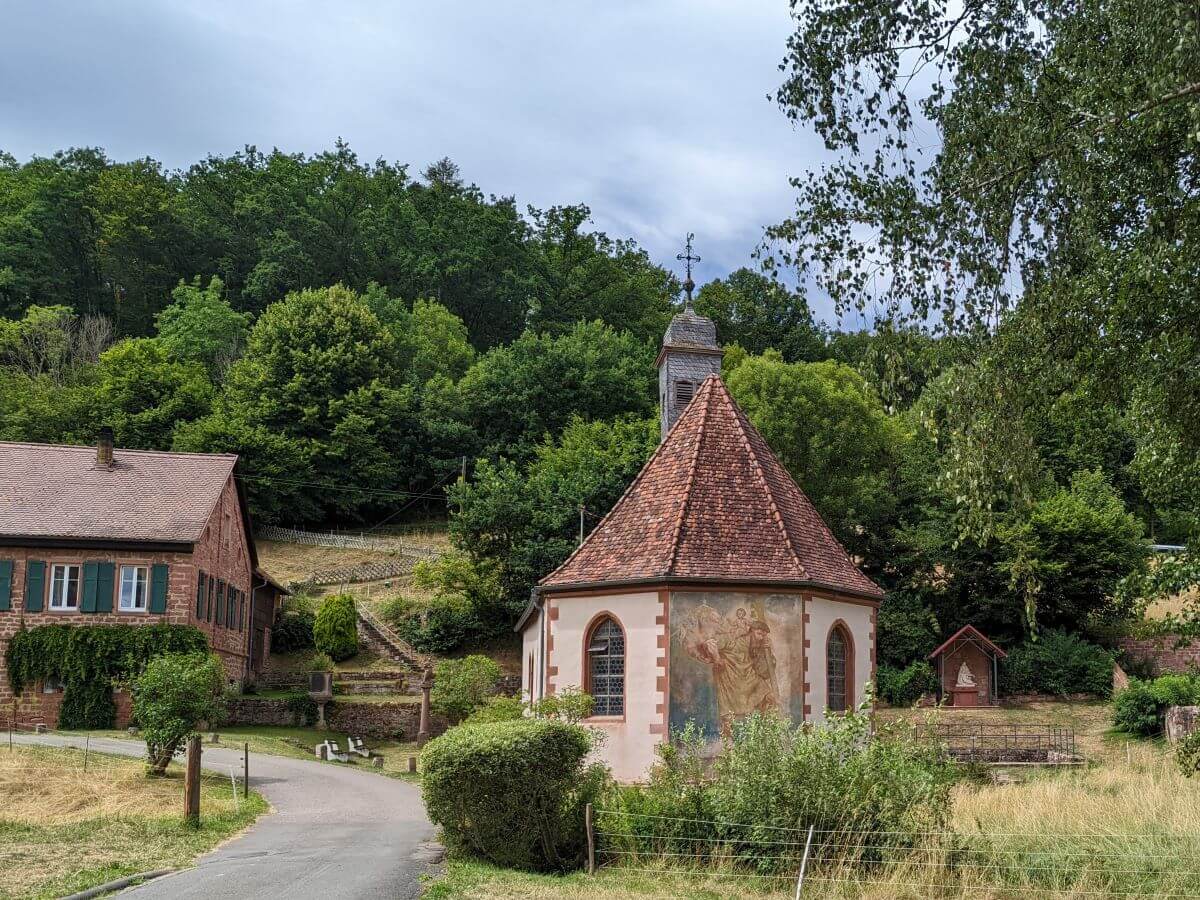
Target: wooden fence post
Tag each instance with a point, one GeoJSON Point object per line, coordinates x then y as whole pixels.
{"type": "Point", "coordinates": [591, 839]}
{"type": "Point", "coordinates": [246, 769]}
{"type": "Point", "coordinates": [191, 782]}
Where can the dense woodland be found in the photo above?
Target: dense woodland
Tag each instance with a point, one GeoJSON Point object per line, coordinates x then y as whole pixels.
{"type": "Point", "coordinates": [1000, 448]}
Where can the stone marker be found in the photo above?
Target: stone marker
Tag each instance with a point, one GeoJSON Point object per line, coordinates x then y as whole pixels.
{"type": "Point", "coordinates": [1181, 721]}
{"type": "Point", "coordinates": [377, 762]}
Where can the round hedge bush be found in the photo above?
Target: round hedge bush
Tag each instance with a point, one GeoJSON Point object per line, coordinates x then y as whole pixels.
{"type": "Point", "coordinates": [335, 630]}
{"type": "Point", "coordinates": [513, 793]}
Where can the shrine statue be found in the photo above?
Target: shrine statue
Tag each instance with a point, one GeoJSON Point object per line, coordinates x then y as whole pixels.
{"type": "Point", "coordinates": [965, 678]}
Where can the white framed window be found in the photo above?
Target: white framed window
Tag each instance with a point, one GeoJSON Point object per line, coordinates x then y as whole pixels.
{"type": "Point", "coordinates": [64, 586]}
{"type": "Point", "coordinates": [133, 588]}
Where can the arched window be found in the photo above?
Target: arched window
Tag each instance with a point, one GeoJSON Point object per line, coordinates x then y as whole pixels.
{"type": "Point", "coordinates": [606, 667]}
{"type": "Point", "coordinates": [838, 670]}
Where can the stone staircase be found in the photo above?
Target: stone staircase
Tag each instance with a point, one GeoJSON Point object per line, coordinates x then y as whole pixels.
{"type": "Point", "coordinates": [381, 640]}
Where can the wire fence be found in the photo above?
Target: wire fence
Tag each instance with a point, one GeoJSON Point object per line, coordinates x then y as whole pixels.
{"type": "Point", "coordinates": [347, 541]}
{"type": "Point", "coordinates": [851, 860]}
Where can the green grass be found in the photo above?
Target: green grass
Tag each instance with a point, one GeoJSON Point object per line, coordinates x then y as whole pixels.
{"type": "Point", "coordinates": [63, 829]}
{"type": "Point", "coordinates": [300, 743]}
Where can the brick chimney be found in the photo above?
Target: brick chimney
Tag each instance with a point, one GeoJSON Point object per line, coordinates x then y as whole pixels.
{"type": "Point", "coordinates": [104, 448]}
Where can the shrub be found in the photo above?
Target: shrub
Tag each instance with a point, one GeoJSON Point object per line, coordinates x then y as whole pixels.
{"type": "Point", "coordinates": [498, 709]}
{"type": "Point", "coordinates": [461, 686]}
{"type": "Point", "coordinates": [570, 704]}
{"type": "Point", "coordinates": [774, 779]}
{"type": "Point", "coordinates": [1140, 708]}
{"type": "Point", "coordinates": [321, 662]}
{"type": "Point", "coordinates": [513, 793]}
{"type": "Point", "coordinates": [1187, 754]}
{"type": "Point", "coordinates": [335, 630]}
{"type": "Point", "coordinates": [171, 697]}
{"type": "Point", "coordinates": [1058, 662]}
{"type": "Point", "coordinates": [904, 687]}
{"type": "Point", "coordinates": [442, 625]}
{"type": "Point", "coordinates": [1135, 710]}
{"type": "Point", "coordinates": [293, 628]}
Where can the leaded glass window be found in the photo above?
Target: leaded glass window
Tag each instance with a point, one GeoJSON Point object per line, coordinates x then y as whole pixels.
{"type": "Point", "coordinates": [836, 661]}
{"type": "Point", "coordinates": [606, 668]}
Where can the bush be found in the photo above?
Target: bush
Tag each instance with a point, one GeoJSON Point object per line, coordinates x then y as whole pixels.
{"type": "Point", "coordinates": [303, 709]}
{"type": "Point", "coordinates": [1140, 708]}
{"type": "Point", "coordinates": [442, 625]}
{"type": "Point", "coordinates": [498, 709]}
{"type": "Point", "coordinates": [461, 686]}
{"type": "Point", "coordinates": [321, 662]}
{"type": "Point", "coordinates": [175, 693]}
{"type": "Point", "coordinates": [570, 704]}
{"type": "Point", "coordinates": [1058, 662]}
{"type": "Point", "coordinates": [293, 628]}
{"type": "Point", "coordinates": [1187, 754]}
{"type": "Point", "coordinates": [513, 793]}
{"type": "Point", "coordinates": [335, 630]}
{"type": "Point", "coordinates": [904, 687]}
{"type": "Point", "coordinates": [775, 779]}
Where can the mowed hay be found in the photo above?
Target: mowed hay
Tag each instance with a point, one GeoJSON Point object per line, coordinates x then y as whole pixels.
{"type": "Point", "coordinates": [63, 829]}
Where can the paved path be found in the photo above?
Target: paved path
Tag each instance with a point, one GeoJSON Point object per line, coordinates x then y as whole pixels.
{"type": "Point", "coordinates": [335, 832]}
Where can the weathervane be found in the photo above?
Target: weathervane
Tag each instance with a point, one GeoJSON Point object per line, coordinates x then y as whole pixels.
{"type": "Point", "coordinates": [688, 258]}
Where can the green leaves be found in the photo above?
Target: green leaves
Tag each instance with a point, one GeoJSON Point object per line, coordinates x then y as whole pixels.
{"type": "Point", "coordinates": [171, 697]}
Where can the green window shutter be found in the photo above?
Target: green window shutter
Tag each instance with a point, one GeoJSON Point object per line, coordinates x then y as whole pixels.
{"type": "Point", "coordinates": [201, 591]}
{"type": "Point", "coordinates": [212, 586]}
{"type": "Point", "coordinates": [88, 603]}
{"type": "Point", "coordinates": [35, 585]}
{"type": "Point", "coordinates": [158, 588]}
{"type": "Point", "coordinates": [104, 587]}
{"type": "Point", "coordinates": [233, 608]}
{"type": "Point", "coordinates": [6, 569]}
{"type": "Point", "coordinates": [220, 601]}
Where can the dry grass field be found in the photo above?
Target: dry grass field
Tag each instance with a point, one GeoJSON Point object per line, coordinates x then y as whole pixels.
{"type": "Point", "coordinates": [63, 829]}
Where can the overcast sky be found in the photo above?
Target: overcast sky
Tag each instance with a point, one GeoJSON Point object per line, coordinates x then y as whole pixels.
{"type": "Point", "coordinates": [652, 112]}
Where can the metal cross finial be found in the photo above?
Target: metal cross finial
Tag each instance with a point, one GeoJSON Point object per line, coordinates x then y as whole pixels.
{"type": "Point", "coordinates": [688, 258]}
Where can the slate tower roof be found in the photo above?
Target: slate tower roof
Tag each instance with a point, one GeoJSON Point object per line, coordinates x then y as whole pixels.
{"type": "Point", "coordinates": [713, 504]}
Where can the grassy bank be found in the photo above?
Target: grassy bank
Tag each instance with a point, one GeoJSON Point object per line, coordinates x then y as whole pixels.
{"type": "Point", "coordinates": [63, 829]}
{"type": "Point", "coordinates": [1127, 825]}
{"type": "Point", "coordinates": [299, 743]}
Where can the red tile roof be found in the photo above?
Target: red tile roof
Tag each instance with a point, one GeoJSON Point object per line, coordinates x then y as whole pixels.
{"type": "Point", "coordinates": [969, 632]}
{"type": "Point", "coordinates": [713, 502]}
{"type": "Point", "coordinates": [54, 491]}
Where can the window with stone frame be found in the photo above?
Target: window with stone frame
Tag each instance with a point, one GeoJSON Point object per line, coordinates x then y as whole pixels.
{"type": "Point", "coordinates": [837, 667]}
{"type": "Point", "coordinates": [605, 668]}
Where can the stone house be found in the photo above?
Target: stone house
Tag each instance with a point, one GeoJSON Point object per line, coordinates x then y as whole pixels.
{"type": "Point", "coordinates": [93, 535]}
{"type": "Point", "coordinates": [711, 590]}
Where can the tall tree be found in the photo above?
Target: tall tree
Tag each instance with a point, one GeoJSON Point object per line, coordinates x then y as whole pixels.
{"type": "Point", "coordinates": [1064, 181]}
{"type": "Point", "coordinates": [759, 313]}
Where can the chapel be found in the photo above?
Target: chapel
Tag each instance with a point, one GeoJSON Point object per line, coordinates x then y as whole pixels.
{"type": "Point", "coordinates": [711, 590]}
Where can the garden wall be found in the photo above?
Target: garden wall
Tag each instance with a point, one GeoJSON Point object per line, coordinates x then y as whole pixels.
{"type": "Point", "coordinates": [1161, 654]}
{"type": "Point", "coordinates": [400, 719]}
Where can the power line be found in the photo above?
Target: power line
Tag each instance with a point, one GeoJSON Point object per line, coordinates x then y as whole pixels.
{"type": "Point", "coordinates": [343, 489]}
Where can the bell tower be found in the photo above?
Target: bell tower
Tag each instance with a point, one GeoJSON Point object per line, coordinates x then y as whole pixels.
{"type": "Point", "coordinates": [690, 353]}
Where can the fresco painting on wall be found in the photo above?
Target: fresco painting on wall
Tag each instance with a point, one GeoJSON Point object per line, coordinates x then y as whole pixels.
{"type": "Point", "coordinates": [733, 654]}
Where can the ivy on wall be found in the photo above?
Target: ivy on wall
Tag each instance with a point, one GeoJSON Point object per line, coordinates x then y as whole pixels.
{"type": "Point", "coordinates": [88, 659]}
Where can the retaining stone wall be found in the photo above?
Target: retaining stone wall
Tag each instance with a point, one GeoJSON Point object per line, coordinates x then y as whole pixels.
{"type": "Point", "coordinates": [400, 719]}
{"type": "Point", "coordinates": [1162, 654]}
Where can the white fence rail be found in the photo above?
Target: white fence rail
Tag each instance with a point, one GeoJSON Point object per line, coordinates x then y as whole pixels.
{"type": "Point", "coordinates": [344, 541]}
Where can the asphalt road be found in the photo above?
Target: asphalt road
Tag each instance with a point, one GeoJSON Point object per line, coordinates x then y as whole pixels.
{"type": "Point", "coordinates": [334, 832]}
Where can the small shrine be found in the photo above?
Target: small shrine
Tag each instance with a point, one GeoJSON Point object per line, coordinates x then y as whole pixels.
{"type": "Point", "coordinates": [967, 668]}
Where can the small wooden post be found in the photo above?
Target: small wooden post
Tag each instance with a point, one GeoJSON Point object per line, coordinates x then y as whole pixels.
{"type": "Point", "coordinates": [246, 769]}
{"type": "Point", "coordinates": [423, 729]}
{"type": "Point", "coordinates": [87, 745]}
{"type": "Point", "coordinates": [591, 839]}
{"type": "Point", "coordinates": [191, 782]}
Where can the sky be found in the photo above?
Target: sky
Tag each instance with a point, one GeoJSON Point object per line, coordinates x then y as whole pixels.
{"type": "Point", "coordinates": [655, 113]}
